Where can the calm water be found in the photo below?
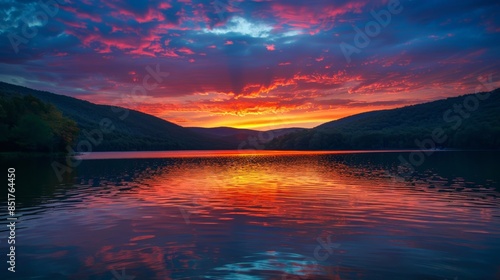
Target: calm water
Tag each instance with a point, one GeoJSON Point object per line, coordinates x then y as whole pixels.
{"type": "Point", "coordinates": [257, 216]}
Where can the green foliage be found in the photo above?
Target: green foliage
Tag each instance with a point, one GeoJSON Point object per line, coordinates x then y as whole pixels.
{"type": "Point", "coordinates": [28, 124]}
{"type": "Point", "coordinates": [32, 133]}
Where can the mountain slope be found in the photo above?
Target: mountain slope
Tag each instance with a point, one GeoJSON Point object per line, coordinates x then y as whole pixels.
{"type": "Point", "coordinates": [222, 131]}
{"type": "Point", "coordinates": [136, 131]}
{"type": "Point", "coordinates": [236, 137]}
{"type": "Point", "coordinates": [400, 128]}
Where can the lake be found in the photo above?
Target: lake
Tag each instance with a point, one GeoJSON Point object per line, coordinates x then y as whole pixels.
{"type": "Point", "coordinates": [257, 215]}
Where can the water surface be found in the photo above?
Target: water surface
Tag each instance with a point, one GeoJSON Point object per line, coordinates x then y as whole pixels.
{"type": "Point", "coordinates": [257, 215]}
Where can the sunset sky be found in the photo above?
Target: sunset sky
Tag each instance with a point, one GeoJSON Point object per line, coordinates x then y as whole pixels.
{"type": "Point", "coordinates": [251, 64]}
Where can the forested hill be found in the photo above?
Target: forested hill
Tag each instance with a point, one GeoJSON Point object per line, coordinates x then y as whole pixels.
{"type": "Point", "coordinates": [29, 125]}
{"type": "Point", "coordinates": [463, 125]}
{"type": "Point", "coordinates": [133, 130]}
{"type": "Point", "coordinates": [243, 138]}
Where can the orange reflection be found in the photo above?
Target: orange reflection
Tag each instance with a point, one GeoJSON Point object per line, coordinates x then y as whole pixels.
{"type": "Point", "coordinates": [188, 213]}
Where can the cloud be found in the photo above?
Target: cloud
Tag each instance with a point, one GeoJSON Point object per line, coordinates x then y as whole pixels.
{"type": "Point", "coordinates": [241, 26]}
{"type": "Point", "coordinates": [254, 57]}
{"type": "Point", "coordinates": [270, 47]}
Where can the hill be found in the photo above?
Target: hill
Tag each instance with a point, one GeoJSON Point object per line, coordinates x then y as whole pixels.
{"type": "Point", "coordinates": [466, 122]}
{"type": "Point", "coordinates": [29, 125]}
{"type": "Point", "coordinates": [234, 137]}
{"type": "Point", "coordinates": [135, 131]}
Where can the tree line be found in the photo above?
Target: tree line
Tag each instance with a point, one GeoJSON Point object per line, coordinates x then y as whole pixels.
{"type": "Point", "coordinates": [29, 125]}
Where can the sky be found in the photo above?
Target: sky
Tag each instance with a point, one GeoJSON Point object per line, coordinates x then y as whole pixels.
{"type": "Point", "coordinates": [260, 64]}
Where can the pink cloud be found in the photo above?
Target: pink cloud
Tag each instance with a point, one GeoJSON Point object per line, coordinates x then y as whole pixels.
{"type": "Point", "coordinates": [270, 47]}
{"type": "Point", "coordinates": [185, 50]}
